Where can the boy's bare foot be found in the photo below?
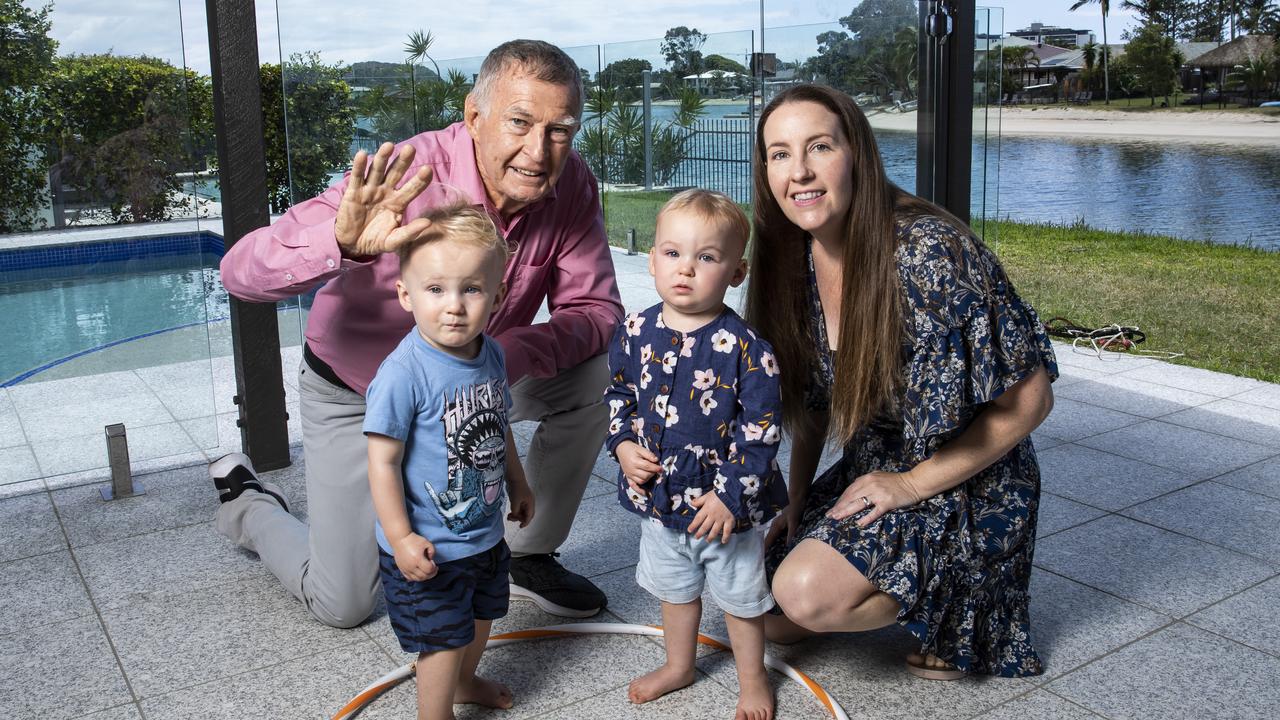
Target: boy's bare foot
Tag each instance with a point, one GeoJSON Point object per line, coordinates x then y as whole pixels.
{"type": "Point", "coordinates": [658, 683]}
{"type": "Point", "coordinates": [482, 691]}
{"type": "Point", "coordinates": [755, 697]}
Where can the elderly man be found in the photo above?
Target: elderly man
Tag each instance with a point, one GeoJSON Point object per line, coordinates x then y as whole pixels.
{"type": "Point", "coordinates": [513, 156]}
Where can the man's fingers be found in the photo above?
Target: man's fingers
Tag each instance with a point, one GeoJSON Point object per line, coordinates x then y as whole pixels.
{"type": "Point", "coordinates": [399, 166]}
{"type": "Point", "coordinates": [380, 163]}
{"type": "Point", "coordinates": [359, 165]}
{"type": "Point", "coordinates": [414, 187]}
{"type": "Point", "coordinates": [405, 233]}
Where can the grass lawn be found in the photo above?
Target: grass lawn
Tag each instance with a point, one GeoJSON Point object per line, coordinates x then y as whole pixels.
{"type": "Point", "coordinates": [1218, 304]}
{"type": "Point", "coordinates": [1143, 104]}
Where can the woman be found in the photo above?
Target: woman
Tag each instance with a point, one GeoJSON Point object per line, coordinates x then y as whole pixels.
{"type": "Point", "coordinates": [908, 345]}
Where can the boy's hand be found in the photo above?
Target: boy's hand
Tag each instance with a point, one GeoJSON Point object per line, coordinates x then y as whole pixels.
{"type": "Point", "coordinates": [521, 498]}
{"type": "Point", "coordinates": [638, 464]}
{"type": "Point", "coordinates": [713, 519]}
{"type": "Point", "coordinates": [415, 556]}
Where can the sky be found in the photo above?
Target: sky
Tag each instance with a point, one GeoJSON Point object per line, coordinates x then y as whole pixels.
{"type": "Point", "coordinates": [342, 30]}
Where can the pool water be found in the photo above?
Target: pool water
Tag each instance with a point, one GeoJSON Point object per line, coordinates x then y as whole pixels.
{"type": "Point", "coordinates": [56, 314]}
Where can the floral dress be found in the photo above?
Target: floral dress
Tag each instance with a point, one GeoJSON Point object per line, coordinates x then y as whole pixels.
{"type": "Point", "coordinates": [958, 563]}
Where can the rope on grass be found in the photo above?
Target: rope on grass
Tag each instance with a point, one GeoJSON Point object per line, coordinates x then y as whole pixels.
{"type": "Point", "coordinates": [1112, 338]}
{"type": "Point", "coordinates": [391, 679]}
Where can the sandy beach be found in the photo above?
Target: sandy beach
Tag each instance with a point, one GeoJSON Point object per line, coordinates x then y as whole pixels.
{"type": "Point", "coordinates": [1198, 126]}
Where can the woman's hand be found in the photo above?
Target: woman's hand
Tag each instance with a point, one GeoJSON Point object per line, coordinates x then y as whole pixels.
{"type": "Point", "coordinates": [372, 207]}
{"type": "Point", "coordinates": [785, 524]}
{"type": "Point", "coordinates": [879, 491]}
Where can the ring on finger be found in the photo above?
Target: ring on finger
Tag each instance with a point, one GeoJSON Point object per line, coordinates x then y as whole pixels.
{"type": "Point", "coordinates": [866, 503]}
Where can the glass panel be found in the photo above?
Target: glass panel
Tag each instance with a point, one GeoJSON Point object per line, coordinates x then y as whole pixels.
{"type": "Point", "coordinates": [106, 264]}
{"type": "Point", "coordinates": [984, 200]}
{"type": "Point", "coordinates": [698, 125]}
{"type": "Point", "coordinates": [877, 67]}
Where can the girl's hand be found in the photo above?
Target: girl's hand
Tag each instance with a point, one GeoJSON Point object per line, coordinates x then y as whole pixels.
{"type": "Point", "coordinates": [879, 492]}
{"type": "Point", "coordinates": [639, 465]}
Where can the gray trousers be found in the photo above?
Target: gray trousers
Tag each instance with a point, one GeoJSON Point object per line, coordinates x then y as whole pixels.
{"type": "Point", "coordinates": [331, 564]}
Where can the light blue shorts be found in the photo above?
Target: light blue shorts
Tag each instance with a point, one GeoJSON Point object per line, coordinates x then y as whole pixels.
{"type": "Point", "coordinates": [674, 564]}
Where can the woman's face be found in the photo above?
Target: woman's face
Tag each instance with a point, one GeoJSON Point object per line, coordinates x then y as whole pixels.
{"type": "Point", "coordinates": [810, 167]}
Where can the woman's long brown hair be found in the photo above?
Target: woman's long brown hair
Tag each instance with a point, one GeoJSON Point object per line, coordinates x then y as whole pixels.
{"type": "Point", "coordinates": [868, 359]}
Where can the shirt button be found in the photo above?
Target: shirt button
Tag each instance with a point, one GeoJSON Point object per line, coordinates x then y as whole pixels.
{"type": "Point", "coordinates": [675, 340]}
{"type": "Point", "coordinates": [288, 276]}
{"type": "Point", "coordinates": [666, 389]}
{"type": "Point", "coordinates": [329, 262]}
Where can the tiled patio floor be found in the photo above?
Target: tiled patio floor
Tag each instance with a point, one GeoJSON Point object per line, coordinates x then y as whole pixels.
{"type": "Point", "coordinates": [1156, 592]}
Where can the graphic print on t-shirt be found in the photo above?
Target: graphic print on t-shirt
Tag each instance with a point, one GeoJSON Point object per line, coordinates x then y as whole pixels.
{"type": "Point", "coordinates": [475, 422]}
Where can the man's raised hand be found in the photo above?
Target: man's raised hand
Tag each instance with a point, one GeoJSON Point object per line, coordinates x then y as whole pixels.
{"type": "Point", "coordinates": [372, 207]}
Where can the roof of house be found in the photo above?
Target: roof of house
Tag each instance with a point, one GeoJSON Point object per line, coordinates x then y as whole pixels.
{"type": "Point", "coordinates": [1237, 52]}
{"type": "Point", "coordinates": [1193, 50]}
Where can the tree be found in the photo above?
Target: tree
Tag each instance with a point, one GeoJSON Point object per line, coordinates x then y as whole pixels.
{"type": "Point", "coordinates": [320, 122]}
{"type": "Point", "coordinates": [1177, 18]}
{"type": "Point", "coordinates": [1256, 76]}
{"type": "Point", "coordinates": [876, 22]}
{"type": "Point", "coordinates": [1154, 59]}
{"type": "Point", "coordinates": [416, 48]}
{"type": "Point", "coordinates": [125, 127]}
{"type": "Point", "coordinates": [612, 137]}
{"type": "Point", "coordinates": [625, 75]}
{"type": "Point", "coordinates": [1105, 5]}
{"type": "Point", "coordinates": [682, 47]}
{"type": "Point", "coordinates": [1016, 57]}
{"type": "Point", "coordinates": [26, 61]}
{"type": "Point", "coordinates": [720, 62]}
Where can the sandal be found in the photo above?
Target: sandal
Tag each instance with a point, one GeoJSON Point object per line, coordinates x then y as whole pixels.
{"type": "Point", "coordinates": [916, 666]}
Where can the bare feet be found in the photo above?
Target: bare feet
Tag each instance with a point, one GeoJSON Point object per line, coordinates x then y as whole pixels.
{"type": "Point", "coordinates": [658, 683]}
{"type": "Point", "coordinates": [482, 691]}
{"type": "Point", "coordinates": [755, 697]}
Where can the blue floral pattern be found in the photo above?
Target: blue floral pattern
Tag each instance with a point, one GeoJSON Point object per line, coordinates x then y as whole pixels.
{"type": "Point", "coordinates": [958, 563]}
{"type": "Point", "coordinates": [707, 403]}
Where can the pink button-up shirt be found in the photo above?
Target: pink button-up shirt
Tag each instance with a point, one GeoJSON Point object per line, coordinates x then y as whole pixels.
{"type": "Point", "coordinates": [559, 253]}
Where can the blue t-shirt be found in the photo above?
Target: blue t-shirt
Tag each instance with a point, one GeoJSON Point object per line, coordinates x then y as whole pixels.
{"type": "Point", "coordinates": [451, 414]}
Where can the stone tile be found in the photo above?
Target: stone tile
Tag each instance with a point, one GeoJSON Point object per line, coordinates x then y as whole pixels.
{"type": "Point", "coordinates": [62, 670]}
{"type": "Point", "coordinates": [1104, 480]}
{"type": "Point", "coordinates": [172, 499]}
{"type": "Point", "coordinates": [28, 526]}
{"type": "Point", "coordinates": [315, 686]}
{"type": "Point", "coordinates": [135, 569]}
{"type": "Point", "coordinates": [1251, 618]}
{"type": "Point", "coordinates": [1058, 513]}
{"type": "Point", "coordinates": [1071, 420]}
{"type": "Point", "coordinates": [121, 712]}
{"type": "Point", "coordinates": [1136, 397]}
{"type": "Point", "coordinates": [1157, 678]}
{"type": "Point", "coordinates": [1164, 571]}
{"type": "Point", "coordinates": [633, 604]}
{"type": "Point", "coordinates": [88, 414]}
{"type": "Point", "coordinates": [703, 699]}
{"type": "Point", "coordinates": [1042, 441]}
{"type": "Point", "coordinates": [21, 488]}
{"type": "Point", "coordinates": [74, 453]}
{"type": "Point", "coordinates": [203, 431]}
{"type": "Point", "coordinates": [1040, 705]}
{"type": "Point", "coordinates": [136, 467]}
{"type": "Point", "coordinates": [1267, 395]}
{"type": "Point", "coordinates": [188, 389]}
{"type": "Point", "coordinates": [604, 538]}
{"type": "Point", "coordinates": [11, 434]}
{"type": "Point", "coordinates": [17, 464]}
{"type": "Point", "coordinates": [1262, 478]}
{"type": "Point", "coordinates": [1195, 452]}
{"type": "Point", "coordinates": [1072, 624]}
{"type": "Point", "coordinates": [167, 641]}
{"type": "Point", "coordinates": [1071, 374]}
{"type": "Point", "coordinates": [41, 590]}
{"type": "Point", "coordinates": [1195, 379]}
{"type": "Point", "coordinates": [1109, 363]}
{"type": "Point", "coordinates": [1234, 420]}
{"type": "Point", "coordinates": [1220, 514]}
{"type": "Point", "coordinates": [865, 672]}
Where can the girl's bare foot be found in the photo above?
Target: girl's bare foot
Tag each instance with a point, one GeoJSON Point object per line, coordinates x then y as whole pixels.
{"type": "Point", "coordinates": [658, 683]}
{"type": "Point", "coordinates": [755, 697]}
{"type": "Point", "coordinates": [482, 691]}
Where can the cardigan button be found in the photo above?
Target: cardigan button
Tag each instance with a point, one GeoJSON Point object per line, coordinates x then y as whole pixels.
{"type": "Point", "coordinates": [675, 340]}
{"type": "Point", "coordinates": [666, 389]}
{"type": "Point", "coordinates": [656, 427]}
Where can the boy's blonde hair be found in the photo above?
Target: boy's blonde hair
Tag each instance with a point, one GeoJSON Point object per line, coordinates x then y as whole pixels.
{"type": "Point", "coordinates": [462, 223]}
{"type": "Point", "coordinates": [714, 206]}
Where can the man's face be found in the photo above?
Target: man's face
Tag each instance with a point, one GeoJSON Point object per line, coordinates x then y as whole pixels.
{"type": "Point", "coordinates": [522, 138]}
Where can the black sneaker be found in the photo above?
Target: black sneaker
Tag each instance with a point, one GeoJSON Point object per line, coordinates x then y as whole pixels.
{"type": "Point", "coordinates": [233, 474]}
{"type": "Point", "coordinates": [546, 582]}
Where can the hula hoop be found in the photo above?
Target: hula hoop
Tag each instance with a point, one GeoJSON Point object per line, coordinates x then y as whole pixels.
{"type": "Point", "coordinates": [386, 682]}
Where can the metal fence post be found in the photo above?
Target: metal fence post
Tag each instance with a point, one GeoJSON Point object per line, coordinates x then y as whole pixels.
{"type": "Point", "coordinates": [631, 241]}
{"type": "Point", "coordinates": [122, 484]}
{"type": "Point", "coordinates": [648, 131]}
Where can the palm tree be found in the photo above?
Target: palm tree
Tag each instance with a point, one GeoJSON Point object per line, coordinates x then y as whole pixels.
{"type": "Point", "coordinates": [416, 48]}
{"type": "Point", "coordinates": [1106, 75]}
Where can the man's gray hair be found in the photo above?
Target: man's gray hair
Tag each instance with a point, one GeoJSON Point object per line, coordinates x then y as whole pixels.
{"type": "Point", "coordinates": [542, 60]}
